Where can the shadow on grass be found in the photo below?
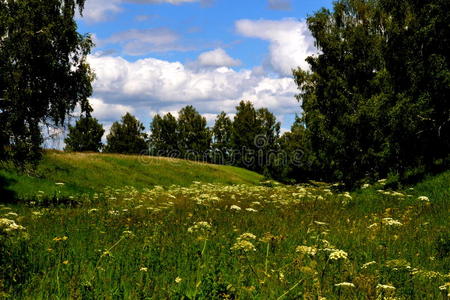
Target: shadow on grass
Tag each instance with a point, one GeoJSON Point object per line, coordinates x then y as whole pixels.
{"type": "Point", "coordinates": [6, 195]}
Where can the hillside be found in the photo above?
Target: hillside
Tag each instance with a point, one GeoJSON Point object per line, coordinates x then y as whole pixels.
{"type": "Point", "coordinates": [92, 172]}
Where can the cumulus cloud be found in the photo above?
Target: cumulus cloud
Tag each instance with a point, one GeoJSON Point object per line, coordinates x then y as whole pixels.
{"type": "Point", "coordinates": [280, 4]}
{"type": "Point", "coordinates": [108, 112]}
{"type": "Point", "coordinates": [100, 10]}
{"type": "Point", "coordinates": [290, 42]}
{"type": "Point", "coordinates": [217, 58]}
{"type": "Point", "coordinates": [150, 86]}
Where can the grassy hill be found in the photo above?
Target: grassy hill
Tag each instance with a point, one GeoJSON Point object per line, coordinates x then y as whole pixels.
{"type": "Point", "coordinates": [92, 172]}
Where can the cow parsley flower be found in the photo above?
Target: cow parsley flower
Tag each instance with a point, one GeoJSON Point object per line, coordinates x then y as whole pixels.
{"type": "Point", "coordinates": [338, 254]}
{"type": "Point", "coordinates": [345, 284]}
{"type": "Point", "coordinates": [306, 250]}
{"type": "Point", "coordinates": [391, 222]}
{"type": "Point", "coordinates": [243, 245]}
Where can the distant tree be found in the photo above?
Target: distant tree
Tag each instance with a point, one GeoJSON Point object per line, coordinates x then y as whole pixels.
{"type": "Point", "coordinates": [44, 74]}
{"type": "Point", "coordinates": [222, 132]}
{"type": "Point", "coordinates": [297, 158]}
{"type": "Point", "coordinates": [245, 130]}
{"type": "Point", "coordinates": [86, 135]}
{"type": "Point", "coordinates": [194, 137]}
{"type": "Point", "coordinates": [127, 136]}
{"type": "Point", "coordinates": [254, 136]}
{"type": "Point", "coordinates": [267, 140]}
{"type": "Point", "coordinates": [164, 136]}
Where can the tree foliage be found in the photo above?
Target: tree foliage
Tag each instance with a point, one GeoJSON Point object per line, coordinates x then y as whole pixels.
{"type": "Point", "coordinates": [164, 136]}
{"type": "Point", "coordinates": [86, 135]}
{"type": "Point", "coordinates": [127, 136]}
{"type": "Point", "coordinates": [43, 72]}
{"type": "Point", "coordinates": [193, 134]}
{"type": "Point", "coordinates": [222, 131]}
{"type": "Point", "coordinates": [374, 100]}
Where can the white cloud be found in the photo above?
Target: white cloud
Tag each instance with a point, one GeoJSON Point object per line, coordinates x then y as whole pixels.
{"type": "Point", "coordinates": [143, 41]}
{"type": "Point", "coordinates": [290, 42]}
{"type": "Point", "coordinates": [280, 4]}
{"type": "Point", "coordinates": [108, 112]}
{"type": "Point", "coordinates": [217, 58]}
{"type": "Point", "coordinates": [150, 86]}
{"type": "Point", "coordinates": [101, 10]}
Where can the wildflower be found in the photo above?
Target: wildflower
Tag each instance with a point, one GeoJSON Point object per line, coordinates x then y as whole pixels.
{"type": "Point", "coordinates": [382, 181]}
{"type": "Point", "coordinates": [320, 223]}
{"type": "Point", "coordinates": [251, 209]}
{"type": "Point", "coordinates": [391, 222]}
{"type": "Point", "coordinates": [445, 287]}
{"type": "Point", "coordinates": [347, 195]}
{"type": "Point", "coordinates": [201, 226]}
{"type": "Point", "coordinates": [246, 236]}
{"type": "Point", "coordinates": [372, 226]}
{"type": "Point", "coordinates": [143, 269]}
{"type": "Point", "coordinates": [385, 287]}
{"type": "Point", "coordinates": [243, 245]}
{"type": "Point", "coordinates": [423, 198]}
{"type": "Point", "coordinates": [9, 226]}
{"type": "Point", "coordinates": [60, 183]}
{"type": "Point", "coordinates": [366, 265]}
{"type": "Point", "coordinates": [338, 254]}
{"type": "Point", "coordinates": [306, 250]}
{"type": "Point", "coordinates": [365, 186]}
{"type": "Point", "coordinates": [127, 233]}
{"type": "Point", "coordinates": [178, 279]}
{"type": "Point", "coordinates": [66, 262]}
{"type": "Point", "coordinates": [11, 214]}
{"type": "Point", "coordinates": [345, 284]}
{"type": "Point", "coordinates": [235, 207]}
{"type": "Point", "coordinates": [36, 214]}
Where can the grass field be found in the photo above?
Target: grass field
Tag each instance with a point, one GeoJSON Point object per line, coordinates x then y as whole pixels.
{"type": "Point", "coordinates": [222, 241]}
{"type": "Point", "coordinates": [92, 172]}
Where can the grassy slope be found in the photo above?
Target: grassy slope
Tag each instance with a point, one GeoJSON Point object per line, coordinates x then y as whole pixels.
{"type": "Point", "coordinates": [90, 172]}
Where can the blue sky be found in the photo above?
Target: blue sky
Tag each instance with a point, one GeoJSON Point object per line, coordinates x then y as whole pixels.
{"type": "Point", "coordinates": [156, 56]}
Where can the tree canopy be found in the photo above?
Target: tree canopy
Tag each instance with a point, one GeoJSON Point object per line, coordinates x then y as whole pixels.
{"type": "Point", "coordinates": [375, 100]}
{"type": "Point", "coordinates": [127, 136]}
{"type": "Point", "coordinates": [86, 135]}
{"type": "Point", "coordinates": [43, 72]}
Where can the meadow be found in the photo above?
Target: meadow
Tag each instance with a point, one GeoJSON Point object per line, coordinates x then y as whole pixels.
{"type": "Point", "coordinates": [229, 241]}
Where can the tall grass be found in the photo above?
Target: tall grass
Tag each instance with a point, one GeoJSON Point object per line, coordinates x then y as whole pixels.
{"type": "Point", "coordinates": [215, 241]}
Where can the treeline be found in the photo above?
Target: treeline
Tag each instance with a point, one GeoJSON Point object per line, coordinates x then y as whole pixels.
{"type": "Point", "coordinates": [251, 139]}
{"type": "Point", "coordinates": [376, 101]}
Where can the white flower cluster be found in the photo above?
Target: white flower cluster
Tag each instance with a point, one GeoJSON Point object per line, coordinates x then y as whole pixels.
{"type": "Point", "coordinates": [338, 254]}
{"type": "Point", "coordinates": [8, 226]}
{"type": "Point", "coordinates": [306, 250]}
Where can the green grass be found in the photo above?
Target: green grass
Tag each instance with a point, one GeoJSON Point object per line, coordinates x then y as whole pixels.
{"type": "Point", "coordinates": [92, 172]}
{"type": "Point", "coordinates": [128, 243]}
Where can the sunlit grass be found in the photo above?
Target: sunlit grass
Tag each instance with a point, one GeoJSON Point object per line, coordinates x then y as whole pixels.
{"type": "Point", "coordinates": [212, 241]}
{"type": "Point", "coordinates": [90, 172]}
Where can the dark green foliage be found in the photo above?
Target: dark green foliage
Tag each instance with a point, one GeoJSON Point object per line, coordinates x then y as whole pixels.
{"type": "Point", "coordinates": [164, 136]}
{"type": "Point", "coordinates": [86, 135]}
{"type": "Point", "coordinates": [43, 72]}
{"type": "Point", "coordinates": [221, 146]}
{"type": "Point", "coordinates": [194, 137]}
{"type": "Point", "coordinates": [127, 136]}
{"type": "Point", "coordinates": [375, 100]}
{"type": "Point", "coordinates": [254, 137]}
